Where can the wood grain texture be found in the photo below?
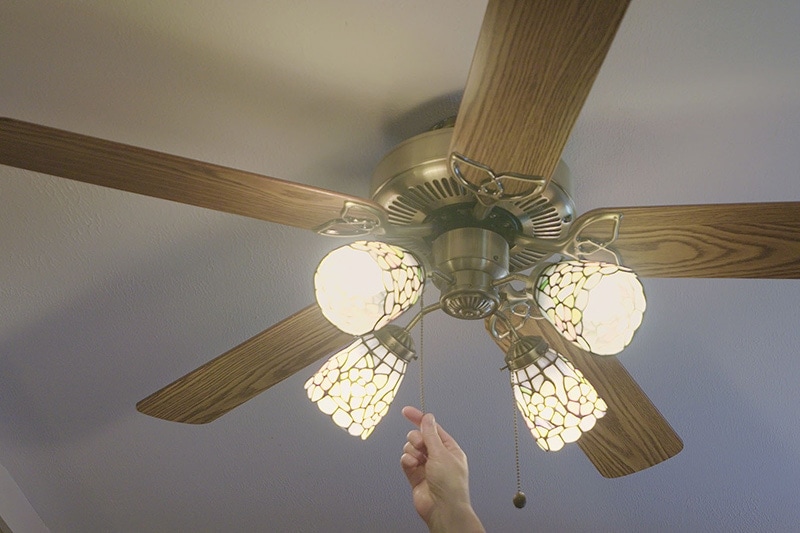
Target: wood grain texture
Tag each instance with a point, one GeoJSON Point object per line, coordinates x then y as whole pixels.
{"type": "Point", "coordinates": [138, 170]}
{"type": "Point", "coordinates": [633, 435]}
{"type": "Point", "coordinates": [759, 240]}
{"type": "Point", "coordinates": [247, 370]}
{"type": "Point", "coordinates": [534, 65]}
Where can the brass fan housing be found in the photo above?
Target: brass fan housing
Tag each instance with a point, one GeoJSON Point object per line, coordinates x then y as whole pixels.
{"type": "Point", "coordinates": [413, 183]}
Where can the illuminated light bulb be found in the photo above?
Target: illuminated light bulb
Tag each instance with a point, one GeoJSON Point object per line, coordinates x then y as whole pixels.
{"type": "Point", "coordinates": [557, 403]}
{"type": "Point", "coordinates": [363, 286]}
{"type": "Point", "coordinates": [356, 386]}
{"type": "Point", "coordinates": [596, 306]}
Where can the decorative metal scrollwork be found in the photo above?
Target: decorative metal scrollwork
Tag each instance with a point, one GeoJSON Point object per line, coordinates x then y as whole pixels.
{"type": "Point", "coordinates": [573, 244]}
{"type": "Point", "coordinates": [492, 188]}
{"type": "Point", "coordinates": [356, 220]}
{"type": "Point", "coordinates": [582, 248]}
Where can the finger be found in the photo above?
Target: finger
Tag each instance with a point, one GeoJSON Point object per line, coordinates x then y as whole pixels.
{"type": "Point", "coordinates": [430, 434]}
{"type": "Point", "coordinates": [414, 452]}
{"type": "Point", "coordinates": [415, 473]}
{"type": "Point", "coordinates": [415, 438]}
{"type": "Point", "coordinates": [409, 461]}
{"type": "Point", "coordinates": [413, 415]}
{"type": "Point", "coordinates": [448, 441]}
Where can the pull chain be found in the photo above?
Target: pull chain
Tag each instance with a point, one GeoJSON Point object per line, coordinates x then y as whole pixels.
{"type": "Point", "coordinates": [519, 497]}
{"type": "Point", "coordinates": [421, 366]}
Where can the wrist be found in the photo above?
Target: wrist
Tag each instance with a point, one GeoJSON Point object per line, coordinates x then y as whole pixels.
{"type": "Point", "coordinates": [460, 518]}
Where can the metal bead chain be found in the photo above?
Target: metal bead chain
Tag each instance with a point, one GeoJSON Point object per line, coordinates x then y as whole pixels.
{"type": "Point", "coordinates": [421, 366]}
{"type": "Point", "coordinates": [516, 443]}
{"type": "Point", "coordinates": [519, 497]}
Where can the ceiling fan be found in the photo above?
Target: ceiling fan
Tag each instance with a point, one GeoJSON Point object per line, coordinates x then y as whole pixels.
{"type": "Point", "coordinates": [477, 202]}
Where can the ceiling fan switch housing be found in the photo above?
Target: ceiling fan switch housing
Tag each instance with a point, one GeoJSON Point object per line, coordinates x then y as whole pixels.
{"type": "Point", "coordinates": [468, 261]}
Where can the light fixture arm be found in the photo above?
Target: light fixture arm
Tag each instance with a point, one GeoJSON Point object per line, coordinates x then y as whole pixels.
{"type": "Point", "coordinates": [419, 315]}
{"type": "Point", "coordinates": [513, 296]}
{"type": "Point", "coordinates": [510, 330]}
{"type": "Point", "coordinates": [520, 301]}
{"type": "Point", "coordinates": [517, 301]}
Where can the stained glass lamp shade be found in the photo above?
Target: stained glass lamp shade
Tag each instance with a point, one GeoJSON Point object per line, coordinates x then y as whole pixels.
{"type": "Point", "coordinates": [356, 386]}
{"type": "Point", "coordinates": [556, 401]}
{"type": "Point", "coordinates": [363, 286]}
{"type": "Point", "coordinates": [596, 306]}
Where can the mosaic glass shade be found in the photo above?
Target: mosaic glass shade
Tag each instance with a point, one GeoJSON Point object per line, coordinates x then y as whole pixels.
{"type": "Point", "coordinates": [356, 386]}
{"type": "Point", "coordinates": [596, 306]}
{"type": "Point", "coordinates": [556, 401]}
{"type": "Point", "coordinates": [363, 286]}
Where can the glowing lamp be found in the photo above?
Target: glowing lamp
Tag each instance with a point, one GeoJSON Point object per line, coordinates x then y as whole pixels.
{"type": "Point", "coordinates": [556, 401]}
{"type": "Point", "coordinates": [596, 306]}
{"type": "Point", "coordinates": [363, 286]}
{"type": "Point", "coordinates": [356, 386]}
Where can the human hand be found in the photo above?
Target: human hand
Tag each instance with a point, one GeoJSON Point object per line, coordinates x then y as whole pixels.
{"type": "Point", "coordinates": [437, 471]}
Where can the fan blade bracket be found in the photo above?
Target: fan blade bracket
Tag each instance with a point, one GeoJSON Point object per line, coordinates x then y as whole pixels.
{"type": "Point", "coordinates": [584, 247]}
{"type": "Point", "coordinates": [488, 186]}
{"type": "Point", "coordinates": [574, 243]}
{"type": "Point", "coordinates": [361, 219]}
{"type": "Point", "coordinates": [357, 219]}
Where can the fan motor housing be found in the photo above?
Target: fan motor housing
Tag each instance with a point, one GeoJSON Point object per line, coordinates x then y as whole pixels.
{"type": "Point", "coordinates": [467, 261]}
{"type": "Point", "coordinates": [414, 184]}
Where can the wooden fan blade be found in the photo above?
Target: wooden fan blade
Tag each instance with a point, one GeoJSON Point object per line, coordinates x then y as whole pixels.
{"type": "Point", "coordinates": [534, 64]}
{"type": "Point", "coordinates": [128, 168]}
{"type": "Point", "coordinates": [241, 373]}
{"type": "Point", "coordinates": [707, 241]}
{"type": "Point", "coordinates": [633, 435]}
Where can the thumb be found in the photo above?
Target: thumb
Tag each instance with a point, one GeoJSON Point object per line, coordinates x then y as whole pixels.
{"type": "Point", "coordinates": [430, 433]}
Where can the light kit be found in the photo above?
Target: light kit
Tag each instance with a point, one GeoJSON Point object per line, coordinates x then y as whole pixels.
{"type": "Point", "coordinates": [596, 306]}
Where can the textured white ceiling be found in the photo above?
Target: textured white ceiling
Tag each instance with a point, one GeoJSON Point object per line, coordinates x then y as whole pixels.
{"type": "Point", "coordinates": [107, 296]}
